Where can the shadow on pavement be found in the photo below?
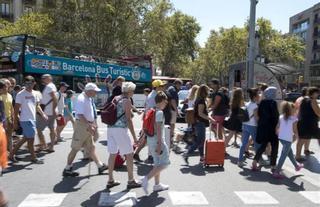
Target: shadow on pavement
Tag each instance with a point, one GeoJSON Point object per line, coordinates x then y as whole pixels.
{"type": "Point", "coordinates": [199, 170]}
{"type": "Point", "coordinates": [143, 169]}
{"type": "Point", "coordinates": [16, 167]}
{"type": "Point", "coordinates": [70, 184]}
{"type": "Point", "coordinates": [312, 164]}
{"type": "Point", "coordinates": [93, 200]}
{"type": "Point", "coordinates": [151, 200]}
{"type": "Point", "coordinates": [263, 176]}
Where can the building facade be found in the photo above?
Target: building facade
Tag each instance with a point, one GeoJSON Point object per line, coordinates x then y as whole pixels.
{"type": "Point", "coordinates": [306, 24]}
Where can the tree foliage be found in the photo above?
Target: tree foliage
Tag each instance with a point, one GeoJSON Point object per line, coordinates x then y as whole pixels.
{"type": "Point", "coordinates": [34, 24]}
{"type": "Point", "coordinates": [229, 46]}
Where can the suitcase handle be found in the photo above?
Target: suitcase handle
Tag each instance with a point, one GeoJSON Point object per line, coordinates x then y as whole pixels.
{"type": "Point", "coordinates": [210, 131]}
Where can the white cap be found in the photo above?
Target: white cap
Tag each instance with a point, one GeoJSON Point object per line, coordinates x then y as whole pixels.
{"type": "Point", "coordinates": [91, 87]}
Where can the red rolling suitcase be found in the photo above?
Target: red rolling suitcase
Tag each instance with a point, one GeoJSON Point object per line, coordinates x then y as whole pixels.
{"type": "Point", "coordinates": [214, 152]}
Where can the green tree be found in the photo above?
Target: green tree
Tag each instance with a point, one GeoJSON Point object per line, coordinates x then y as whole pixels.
{"type": "Point", "coordinates": [34, 24]}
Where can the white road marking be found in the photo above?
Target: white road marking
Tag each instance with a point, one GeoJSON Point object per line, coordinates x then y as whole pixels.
{"type": "Point", "coordinates": [187, 198]}
{"type": "Point", "coordinates": [313, 196]}
{"type": "Point", "coordinates": [117, 199]}
{"type": "Point", "coordinates": [256, 197]}
{"type": "Point", "coordinates": [43, 200]}
{"type": "Point", "coordinates": [304, 177]}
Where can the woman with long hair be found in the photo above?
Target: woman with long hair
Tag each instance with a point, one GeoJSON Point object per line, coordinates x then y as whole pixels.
{"type": "Point", "coordinates": [202, 121]}
{"type": "Point", "coordinates": [234, 124]}
{"type": "Point", "coordinates": [192, 96]}
{"type": "Point", "coordinates": [308, 120]}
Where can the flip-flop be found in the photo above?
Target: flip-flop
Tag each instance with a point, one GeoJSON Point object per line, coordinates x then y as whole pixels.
{"type": "Point", "coordinates": [112, 184]}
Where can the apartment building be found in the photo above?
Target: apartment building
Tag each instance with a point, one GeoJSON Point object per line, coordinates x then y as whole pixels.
{"type": "Point", "coordinates": [306, 24]}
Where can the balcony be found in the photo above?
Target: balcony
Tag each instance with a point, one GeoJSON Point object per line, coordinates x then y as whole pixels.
{"type": "Point", "coordinates": [315, 62]}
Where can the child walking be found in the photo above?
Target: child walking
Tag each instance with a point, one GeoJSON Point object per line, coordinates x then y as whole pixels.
{"type": "Point", "coordinates": [288, 133]}
{"type": "Point", "coordinates": [158, 147]}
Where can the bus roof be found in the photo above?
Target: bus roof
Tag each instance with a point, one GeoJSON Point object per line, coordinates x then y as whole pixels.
{"type": "Point", "coordinates": [167, 78]}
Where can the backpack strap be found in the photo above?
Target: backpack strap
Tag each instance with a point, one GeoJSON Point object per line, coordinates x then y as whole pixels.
{"type": "Point", "coordinates": [116, 102]}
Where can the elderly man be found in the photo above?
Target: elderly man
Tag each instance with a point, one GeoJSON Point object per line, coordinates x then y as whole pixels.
{"type": "Point", "coordinates": [84, 130]}
{"type": "Point", "coordinates": [48, 104]}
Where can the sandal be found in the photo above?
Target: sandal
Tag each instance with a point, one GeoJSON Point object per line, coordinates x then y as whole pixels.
{"type": "Point", "coordinates": [112, 184]}
{"type": "Point", "coordinates": [133, 184]}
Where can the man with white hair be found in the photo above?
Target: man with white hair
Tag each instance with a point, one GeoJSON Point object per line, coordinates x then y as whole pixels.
{"type": "Point", "coordinates": [84, 130]}
{"type": "Point", "coordinates": [48, 104]}
{"type": "Point", "coordinates": [118, 136]}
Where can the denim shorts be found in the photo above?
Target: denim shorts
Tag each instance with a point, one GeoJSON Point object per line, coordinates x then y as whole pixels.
{"type": "Point", "coordinates": [163, 158]}
{"type": "Point", "coordinates": [28, 129]}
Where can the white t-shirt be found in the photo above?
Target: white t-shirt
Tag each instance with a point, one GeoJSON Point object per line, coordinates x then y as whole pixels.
{"type": "Point", "coordinates": [151, 102]}
{"type": "Point", "coordinates": [46, 97]}
{"type": "Point", "coordinates": [251, 107]}
{"type": "Point", "coordinates": [28, 101]}
{"type": "Point", "coordinates": [60, 102]}
{"type": "Point", "coordinates": [159, 119]}
{"type": "Point", "coordinates": [83, 105]}
{"type": "Point", "coordinates": [286, 128]}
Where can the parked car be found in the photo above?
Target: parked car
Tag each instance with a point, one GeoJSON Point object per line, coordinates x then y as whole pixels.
{"type": "Point", "coordinates": [293, 96]}
{"type": "Point", "coordinates": [183, 94]}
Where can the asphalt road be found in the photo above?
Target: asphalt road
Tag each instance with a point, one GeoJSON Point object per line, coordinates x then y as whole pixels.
{"type": "Point", "coordinates": [29, 185]}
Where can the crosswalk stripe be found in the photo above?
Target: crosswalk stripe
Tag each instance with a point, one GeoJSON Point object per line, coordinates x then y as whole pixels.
{"type": "Point", "coordinates": [117, 199]}
{"type": "Point", "coordinates": [256, 197]}
{"type": "Point", "coordinates": [43, 200]}
{"type": "Point", "coordinates": [178, 198]}
{"type": "Point", "coordinates": [307, 178]}
{"type": "Point", "coordinates": [187, 198]}
{"type": "Point", "coordinates": [313, 196]}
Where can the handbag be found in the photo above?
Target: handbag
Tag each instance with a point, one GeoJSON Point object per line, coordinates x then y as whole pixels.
{"type": "Point", "coordinates": [60, 120]}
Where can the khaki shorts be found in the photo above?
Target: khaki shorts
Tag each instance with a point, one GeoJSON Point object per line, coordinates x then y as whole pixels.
{"type": "Point", "coordinates": [81, 137]}
{"type": "Point", "coordinates": [42, 123]}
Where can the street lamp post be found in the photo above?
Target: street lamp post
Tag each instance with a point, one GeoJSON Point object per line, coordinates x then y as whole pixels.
{"type": "Point", "coordinates": [251, 44]}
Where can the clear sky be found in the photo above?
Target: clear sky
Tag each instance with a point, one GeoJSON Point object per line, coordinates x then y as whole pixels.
{"type": "Point", "coordinates": [212, 14]}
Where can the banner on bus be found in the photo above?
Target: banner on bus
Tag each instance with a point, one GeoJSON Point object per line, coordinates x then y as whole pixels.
{"type": "Point", "coordinates": [63, 66]}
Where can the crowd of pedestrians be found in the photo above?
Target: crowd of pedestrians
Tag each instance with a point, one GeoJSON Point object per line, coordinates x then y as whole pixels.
{"type": "Point", "coordinates": [29, 112]}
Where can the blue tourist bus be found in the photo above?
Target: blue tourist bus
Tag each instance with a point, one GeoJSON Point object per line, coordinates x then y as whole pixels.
{"type": "Point", "coordinates": [24, 54]}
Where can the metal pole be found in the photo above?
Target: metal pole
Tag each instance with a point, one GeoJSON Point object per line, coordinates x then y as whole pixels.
{"type": "Point", "coordinates": [251, 44]}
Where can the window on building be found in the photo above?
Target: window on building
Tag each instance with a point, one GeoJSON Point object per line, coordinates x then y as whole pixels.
{"type": "Point", "coordinates": [303, 35]}
{"type": "Point", "coordinates": [5, 10]}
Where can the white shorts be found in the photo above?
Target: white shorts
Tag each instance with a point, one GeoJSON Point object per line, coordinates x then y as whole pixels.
{"type": "Point", "coordinates": [119, 140]}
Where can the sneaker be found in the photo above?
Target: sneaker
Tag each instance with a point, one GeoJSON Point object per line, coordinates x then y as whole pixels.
{"type": "Point", "coordinates": [277, 175]}
{"type": "Point", "coordinates": [136, 157]}
{"type": "Point", "coordinates": [144, 185]}
{"type": "Point", "coordinates": [103, 168]}
{"type": "Point", "coordinates": [241, 164]}
{"type": "Point", "coordinates": [37, 161]}
{"type": "Point", "coordinates": [201, 159]}
{"type": "Point", "coordinates": [299, 167]}
{"type": "Point", "coordinates": [149, 159]}
{"type": "Point", "coordinates": [160, 187]}
{"type": "Point", "coordinates": [69, 173]}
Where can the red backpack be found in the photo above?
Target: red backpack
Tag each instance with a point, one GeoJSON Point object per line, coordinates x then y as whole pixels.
{"type": "Point", "coordinates": [109, 113]}
{"type": "Point", "coordinates": [148, 122]}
